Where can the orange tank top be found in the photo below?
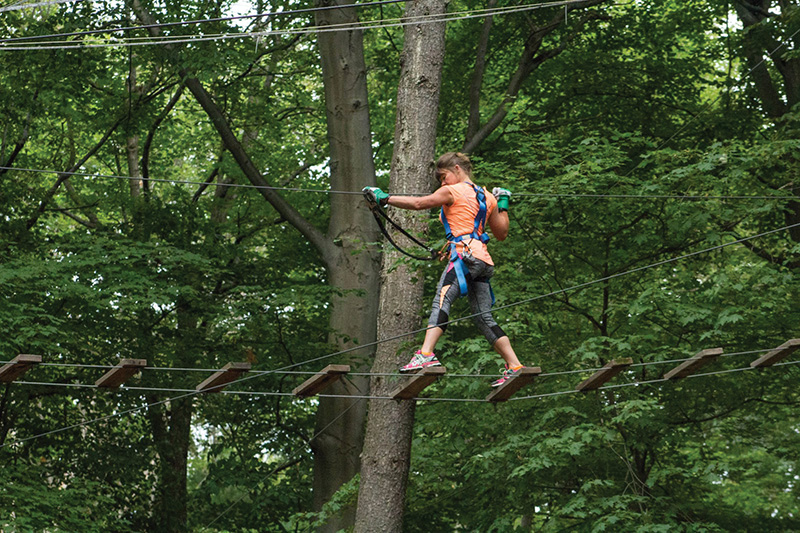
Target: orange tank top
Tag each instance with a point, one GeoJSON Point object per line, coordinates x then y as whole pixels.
{"type": "Point", "coordinates": [461, 217]}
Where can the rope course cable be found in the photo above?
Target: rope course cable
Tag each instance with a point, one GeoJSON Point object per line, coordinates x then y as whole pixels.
{"type": "Point", "coordinates": [430, 399]}
{"type": "Point", "coordinates": [687, 196]}
{"type": "Point", "coordinates": [18, 6]}
{"type": "Point", "coordinates": [365, 25]}
{"type": "Point", "coordinates": [307, 373]}
{"type": "Point", "coordinates": [201, 21]}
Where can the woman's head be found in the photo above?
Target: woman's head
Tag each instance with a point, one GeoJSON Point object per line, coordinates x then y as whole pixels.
{"type": "Point", "coordinates": [451, 160]}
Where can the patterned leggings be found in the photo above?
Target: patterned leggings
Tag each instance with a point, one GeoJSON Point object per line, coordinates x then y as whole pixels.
{"type": "Point", "coordinates": [479, 294]}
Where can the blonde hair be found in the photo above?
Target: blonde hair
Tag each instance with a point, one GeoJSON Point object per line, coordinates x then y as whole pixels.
{"type": "Point", "coordinates": [450, 160]}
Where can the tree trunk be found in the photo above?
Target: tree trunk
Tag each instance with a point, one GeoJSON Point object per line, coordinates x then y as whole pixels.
{"type": "Point", "coordinates": [171, 426]}
{"type": "Point", "coordinates": [387, 447]}
{"type": "Point", "coordinates": [351, 270]}
{"type": "Point", "coordinates": [171, 434]}
{"type": "Point", "coordinates": [337, 446]}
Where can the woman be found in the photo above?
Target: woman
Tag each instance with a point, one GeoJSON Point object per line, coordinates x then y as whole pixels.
{"type": "Point", "coordinates": [466, 208]}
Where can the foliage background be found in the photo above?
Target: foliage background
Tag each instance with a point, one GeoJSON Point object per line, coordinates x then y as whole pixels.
{"type": "Point", "coordinates": [650, 98]}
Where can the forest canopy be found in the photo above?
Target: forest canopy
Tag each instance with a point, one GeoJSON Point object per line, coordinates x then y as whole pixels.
{"type": "Point", "coordinates": [174, 189]}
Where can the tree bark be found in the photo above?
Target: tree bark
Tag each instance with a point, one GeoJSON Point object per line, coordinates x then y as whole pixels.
{"type": "Point", "coordinates": [337, 447]}
{"type": "Point", "coordinates": [353, 271]}
{"type": "Point", "coordinates": [171, 434]}
{"type": "Point", "coordinates": [387, 447]}
{"type": "Point", "coordinates": [171, 426]}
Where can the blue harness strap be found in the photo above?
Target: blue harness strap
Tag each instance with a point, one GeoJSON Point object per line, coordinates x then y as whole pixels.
{"type": "Point", "coordinates": [453, 240]}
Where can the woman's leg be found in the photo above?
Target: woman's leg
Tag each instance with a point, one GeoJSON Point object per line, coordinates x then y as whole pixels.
{"type": "Point", "coordinates": [480, 299]}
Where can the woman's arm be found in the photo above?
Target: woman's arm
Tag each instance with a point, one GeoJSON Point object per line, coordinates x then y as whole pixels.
{"type": "Point", "coordinates": [498, 222]}
{"type": "Point", "coordinates": [441, 197]}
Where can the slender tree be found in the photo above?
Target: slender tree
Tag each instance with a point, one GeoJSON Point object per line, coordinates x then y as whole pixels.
{"type": "Point", "coordinates": [387, 450]}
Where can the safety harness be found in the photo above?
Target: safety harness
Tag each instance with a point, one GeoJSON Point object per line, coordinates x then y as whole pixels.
{"type": "Point", "coordinates": [379, 215]}
{"type": "Point", "coordinates": [478, 232]}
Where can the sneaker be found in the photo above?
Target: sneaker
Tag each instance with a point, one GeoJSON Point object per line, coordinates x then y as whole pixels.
{"type": "Point", "coordinates": [507, 374]}
{"type": "Point", "coordinates": [420, 361]}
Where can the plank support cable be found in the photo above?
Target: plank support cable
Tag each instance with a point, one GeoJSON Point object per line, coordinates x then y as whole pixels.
{"type": "Point", "coordinates": [18, 366]}
{"type": "Point", "coordinates": [694, 363]}
{"type": "Point", "coordinates": [313, 385]}
{"type": "Point", "coordinates": [217, 381]}
{"type": "Point", "coordinates": [779, 353]}
{"type": "Point", "coordinates": [419, 380]}
{"type": "Point", "coordinates": [512, 385]}
{"type": "Point", "coordinates": [609, 370]}
{"type": "Point", "coordinates": [120, 373]}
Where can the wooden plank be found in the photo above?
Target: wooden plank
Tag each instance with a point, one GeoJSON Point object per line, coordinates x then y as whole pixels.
{"type": "Point", "coordinates": [694, 363]}
{"type": "Point", "coordinates": [320, 380]}
{"type": "Point", "coordinates": [776, 355]}
{"type": "Point", "coordinates": [609, 370]}
{"type": "Point", "coordinates": [417, 382]}
{"type": "Point", "coordinates": [121, 373]}
{"type": "Point", "coordinates": [520, 379]}
{"type": "Point", "coordinates": [217, 381]}
{"type": "Point", "coordinates": [18, 366]}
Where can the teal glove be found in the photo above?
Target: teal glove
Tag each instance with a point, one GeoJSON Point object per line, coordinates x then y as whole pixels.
{"type": "Point", "coordinates": [503, 196]}
{"type": "Point", "coordinates": [376, 195]}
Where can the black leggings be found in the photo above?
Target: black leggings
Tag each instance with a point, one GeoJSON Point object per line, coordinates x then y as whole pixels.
{"type": "Point", "coordinates": [479, 294]}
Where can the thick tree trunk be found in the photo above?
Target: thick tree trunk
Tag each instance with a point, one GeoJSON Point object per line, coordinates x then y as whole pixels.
{"type": "Point", "coordinates": [351, 270]}
{"type": "Point", "coordinates": [337, 446]}
{"type": "Point", "coordinates": [171, 434]}
{"type": "Point", "coordinates": [387, 448]}
{"type": "Point", "coordinates": [171, 426]}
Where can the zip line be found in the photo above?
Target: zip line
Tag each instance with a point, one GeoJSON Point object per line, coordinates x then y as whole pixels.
{"type": "Point", "coordinates": [400, 336]}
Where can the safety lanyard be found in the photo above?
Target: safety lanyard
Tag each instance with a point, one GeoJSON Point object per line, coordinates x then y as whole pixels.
{"type": "Point", "coordinates": [378, 213]}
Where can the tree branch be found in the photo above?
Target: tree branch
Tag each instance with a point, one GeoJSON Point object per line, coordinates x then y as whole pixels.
{"type": "Point", "coordinates": [326, 248]}
{"type": "Point", "coordinates": [149, 141]}
{"type": "Point", "coordinates": [529, 61]}
{"type": "Point", "coordinates": [20, 144]}
{"type": "Point", "coordinates": [65, 175]}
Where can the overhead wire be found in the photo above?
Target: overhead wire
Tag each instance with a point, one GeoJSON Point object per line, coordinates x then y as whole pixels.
{"type": "Point", "coordinates": [359, 25]}
{"type": "Point", "coordinates": [201, 21]}
{"type": "Point", "coordinates": [18, 6]}
{"type": "Point", "coordinates": [687, 196]}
